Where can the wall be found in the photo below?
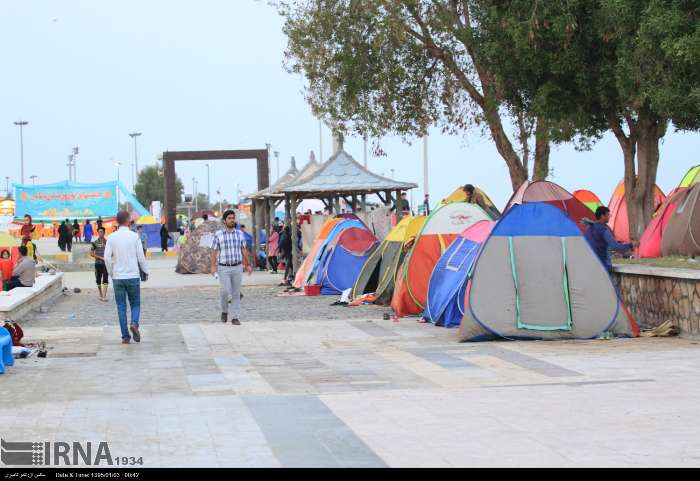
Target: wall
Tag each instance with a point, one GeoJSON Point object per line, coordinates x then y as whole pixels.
{"type": "Point", "coordinates": [655, 295]}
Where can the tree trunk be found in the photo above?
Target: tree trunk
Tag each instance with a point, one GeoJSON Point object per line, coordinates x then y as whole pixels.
{"type": "Point", "coordinates": [518, 173]}
{"type": "Point", "coordinates": [542, 150]}
{"type": "Point", "coordinates": [648, 134]}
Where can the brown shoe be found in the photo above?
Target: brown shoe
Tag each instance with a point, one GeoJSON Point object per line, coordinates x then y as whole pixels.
{"type": "Point", "coordinates": [135, 332]}
{"type": "Point", "coordinates": [126, 340]}
{"type": "Point", "coordinates": [235, 322]}
{"type": "Point", "coordinates": [224, 317]}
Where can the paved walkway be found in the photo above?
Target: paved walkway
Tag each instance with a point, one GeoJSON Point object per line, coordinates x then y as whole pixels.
{"type": "Point", "coordinates": [303, 383]}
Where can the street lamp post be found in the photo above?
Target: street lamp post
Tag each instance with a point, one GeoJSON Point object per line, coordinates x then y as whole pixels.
{"type": "Point", "coordinates": [7, 186]}
{"type": "Point", "coordinates": [21, 124]}
{"type": "Point", "coordinates": [76, 151]}
{"type": "Point", "coordinates": [117, 165]}
{"type": "Point", "coordinates": [277, 161]}
{"type": "Point", "coordinates": [208, 184]}
{"type": "Point", "coordinates": [70, 167]}
{"type": "Point", "coordinates": [134, 135]}
{"type": "Point", "coordinates": [194, 193]}
{"type": "Point", "coordinates": [33, 177]}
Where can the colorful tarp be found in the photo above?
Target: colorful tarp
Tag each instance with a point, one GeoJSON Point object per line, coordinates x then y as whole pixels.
{"type": "Point", "coordinates": [71, 200]}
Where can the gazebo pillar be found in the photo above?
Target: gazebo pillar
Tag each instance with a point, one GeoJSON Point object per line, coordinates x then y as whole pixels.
{"type": "Point", "coordinates": [295, 237]}
{"type": "Point", "coordinates": [387, 202]}
{"type": "Point", "coordinates": [256, 243]}
{"type": "Point", "coordinates": [354, 203]}
{"type": "Point", "coordinates": [363, 203]}
{"type": "Point", "coordinates": [336, 203]}
{"type": "Point", "coordinates": [399, 207]}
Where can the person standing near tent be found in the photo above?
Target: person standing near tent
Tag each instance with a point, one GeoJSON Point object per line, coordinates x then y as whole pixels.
{"type": "Point", "coordinates": [272, 249]}
{"type": "Point", "coordinates": [601, 239]}
{"type": "Point", "coordinates": [229, 258]}
{"type": "Point", "coordinates": [76, 230]}
{"type": "Point", "coordinates": [285, 250]}
{"type": "Point", "coordinates": [97, 252]}
{"type": "Point", "coordinates": [62, 230]}
{"type": "Point", "coordinates": [126, 265]}
{"type": "Point", "coordinates": [426, 205]}
{"type": "Point", "coordinates": [164, 238]}
{"type": "Point", "coordinates": [143, 238]}
{"type": "Point", "coordinates": [87, 232]}
{"type": "Point", "coordinates": [69, 236]}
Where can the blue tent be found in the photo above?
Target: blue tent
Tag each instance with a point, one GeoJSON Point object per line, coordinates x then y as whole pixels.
{"type": "Point", "coordinates": [448, 282]}
{"type": "Point", "coordinates": [323, 251]}
{"type": "Point", "coordinates": [344, 259]}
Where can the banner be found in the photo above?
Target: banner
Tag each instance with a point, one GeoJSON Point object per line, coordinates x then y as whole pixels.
{"type": "Point", "coordinates": [66, 200]}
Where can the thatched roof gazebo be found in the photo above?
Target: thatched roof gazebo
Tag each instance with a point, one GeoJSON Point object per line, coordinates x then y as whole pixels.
{"type": "Point", "coordinates": [341, 177]}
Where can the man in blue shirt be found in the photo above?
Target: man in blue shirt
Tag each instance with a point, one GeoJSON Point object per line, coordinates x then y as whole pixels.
{"type": "Point", "coordinates": [601, 239]}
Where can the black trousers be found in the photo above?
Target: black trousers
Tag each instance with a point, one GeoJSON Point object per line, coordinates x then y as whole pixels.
{"type": "Point", "coordinates": [272, 261]}
{"type": "Point", "coordinates": [288, 268]}
{"type": "Point", "coordinates": [12, 283]}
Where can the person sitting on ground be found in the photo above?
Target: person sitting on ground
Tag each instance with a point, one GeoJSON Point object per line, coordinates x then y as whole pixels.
{"type": "Point", "coordinates": [601, 239]}
{"type": "Point", "coordinates": [24, 273]}
{"type": "Point", "coordinates": [6, 267]}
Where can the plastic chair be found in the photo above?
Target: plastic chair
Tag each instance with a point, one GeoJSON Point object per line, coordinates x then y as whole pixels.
{"type": "Point", "coordinates": [6, 358]}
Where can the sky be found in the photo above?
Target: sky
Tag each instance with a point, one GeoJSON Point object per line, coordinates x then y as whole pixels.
{"type": "Point", "coordinates": [209, 75]}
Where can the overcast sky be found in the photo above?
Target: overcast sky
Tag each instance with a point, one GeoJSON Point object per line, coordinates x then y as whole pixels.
{"type": "Point", "coordinates": [208, 75]}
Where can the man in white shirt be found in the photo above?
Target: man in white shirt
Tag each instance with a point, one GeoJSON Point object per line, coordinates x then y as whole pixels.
{"type": "Point", "coordinates": [125, 261]}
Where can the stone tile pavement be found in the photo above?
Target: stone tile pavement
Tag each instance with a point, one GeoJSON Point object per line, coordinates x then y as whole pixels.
{"type": "Point", "coordinates": [301, 383]}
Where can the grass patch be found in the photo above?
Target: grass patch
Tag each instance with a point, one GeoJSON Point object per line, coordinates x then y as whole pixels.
{"type": "Point", "coordinates": [678, 262]}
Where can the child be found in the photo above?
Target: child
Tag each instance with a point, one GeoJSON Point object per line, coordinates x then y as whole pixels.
{"type": "Point", "coordinates": [6, 267]}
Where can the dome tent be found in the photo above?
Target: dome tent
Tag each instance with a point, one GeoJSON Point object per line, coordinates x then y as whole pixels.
{"type": "Point", "coordinates": [448, 282]}
{"type": "Point", "coordinates": [619, 221]}
{"type": "Point", "coordinates": [536, 277]}
{"type": "Point", "coordinates": [378, 274]}
{"type": "Point", "coordinates": [440, 229]}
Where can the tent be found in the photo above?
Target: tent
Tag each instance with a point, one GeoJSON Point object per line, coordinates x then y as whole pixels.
{"type": "Point", "coordinates": [448, 283]}
{"type": "Point", "coordinates": [537, 277]}
{"type": "Point", "coordinates": [589, 199]}
{"type": "Point", "coordinates": [691, 178]}
{"type": "Point", "coordinates": [195, 257]}
{"type": "Point", "coordinates": [460, 196]}
{"type": "Point", "coordinates": [305, 268]}
{"type": "Point", "coordinates": [555, 195]}
{"type": "Point", "coordinates": [650, 244]}
{"type": "Point", "coordinates": [325, 247]}
{"type": "Point", "coordinates": [379, 271]}
{"type": "Point", "coordinates": [619, 222]}
{"type": "Point", "coordinates": [682, 233]}
{"type": "Point", "coordinates": [440, 229]}
{"type": "Point", "coordinates": [151, 227]}
{"type": "Point", "coordinates": [344, 258]}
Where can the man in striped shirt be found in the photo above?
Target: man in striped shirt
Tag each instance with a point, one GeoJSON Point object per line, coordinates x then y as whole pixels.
{"type": "Point", "coordinates": [229, 258]}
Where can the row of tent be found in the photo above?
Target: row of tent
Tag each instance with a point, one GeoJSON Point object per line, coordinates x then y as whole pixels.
{"type": "Point", "coordinates": [528, 274]}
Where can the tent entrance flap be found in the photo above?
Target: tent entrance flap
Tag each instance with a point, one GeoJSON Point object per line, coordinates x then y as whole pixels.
{"type": "Point", "coordinates": [540, 277]}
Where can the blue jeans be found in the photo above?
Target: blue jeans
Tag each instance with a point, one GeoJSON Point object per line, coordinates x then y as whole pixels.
{"type": "Point", "coordinates": [130, 288]}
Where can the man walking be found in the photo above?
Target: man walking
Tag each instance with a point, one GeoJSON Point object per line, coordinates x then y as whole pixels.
{"type": "Point", "coordinates": [229, 258]}
{"type": "Point", "coordinates": [98, 253]}
{"type": "Point", "coordinates": [125, 261]}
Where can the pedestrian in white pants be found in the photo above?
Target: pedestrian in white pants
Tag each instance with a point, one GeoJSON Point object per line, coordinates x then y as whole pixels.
{"type": "Point", "coordinates": [229, 258]}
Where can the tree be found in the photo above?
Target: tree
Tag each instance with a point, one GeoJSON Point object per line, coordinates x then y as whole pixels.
{"type": "Point", "coordinates": [377, 67]}
{"type": "Point", "coordinates": [149, 187]}
{"type": "Point", "coordinates": [628, 66]}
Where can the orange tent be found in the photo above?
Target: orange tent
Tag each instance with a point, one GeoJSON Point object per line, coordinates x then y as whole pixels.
{"type": "Point", "coordinates": [440, 229]}
{"type": "Point", "coordinates": [619, 221]}
{"type": "Point", "coordinates": [305, 268]}
{"type": "Point", "coordinates": [588, 198]}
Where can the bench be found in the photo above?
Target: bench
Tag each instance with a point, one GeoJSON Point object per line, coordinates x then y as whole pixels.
{"type": "Point", "coordinates": [6, 358]}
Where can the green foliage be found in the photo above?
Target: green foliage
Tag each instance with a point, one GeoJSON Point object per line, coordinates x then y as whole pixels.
{"type": "Point", "coordinates": [149, 186]}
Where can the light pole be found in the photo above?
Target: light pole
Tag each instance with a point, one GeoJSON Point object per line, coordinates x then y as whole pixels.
{"type": "Point", "coordinates": [134, 135]}
{"type": "Point", "coordinates": [320, 139]}
{"type": "Point", "coordinates": [268, 146]}
{"type": "Point", "coordinates": [117, 165]}
{"type": "Point", "coordinates": [277, 160]}
{"type": "Point", "coordinates": [33, 177]}
{"type": "Point", "coordinates": [426, 186]}
{"type": "Point", "coordinates": [208, 184]}
{"type": "Point", "coordinates": [21, 124]}
{"type": "Point", "coordinates": [194, 193]}
{"type": "Point", "coordinates": [392, 173]}
{"type": "Point", "coordinates": [70, 167]}
{"type": "Point", "coordinates": [76, 150]}
{"type": "Point", "coordinates": [7, 186]}
{"type": "Point", "coordinates": [218, 193]}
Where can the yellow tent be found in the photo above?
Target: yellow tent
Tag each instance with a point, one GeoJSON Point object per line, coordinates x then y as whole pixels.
{"type": "Point", "coordinates": [460, 196]}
